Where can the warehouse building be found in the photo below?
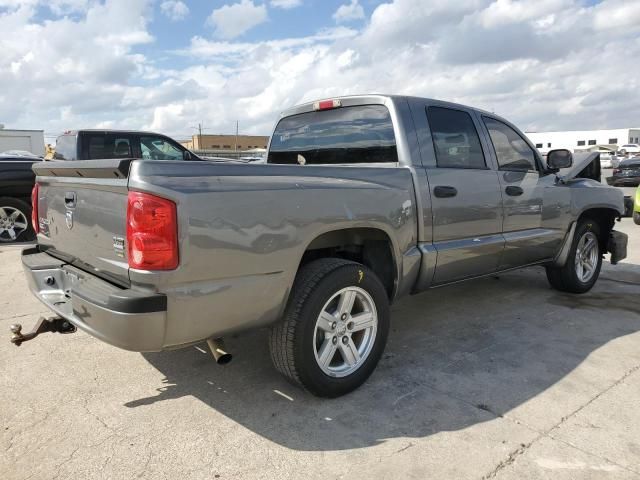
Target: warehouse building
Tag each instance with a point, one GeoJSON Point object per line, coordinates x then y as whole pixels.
{"type": "Point", "coordinates": [583, 139]}
{"type": "Point", "coordinates": [225, 142]}
{"type": "Point", "coordinates": [27, 140]}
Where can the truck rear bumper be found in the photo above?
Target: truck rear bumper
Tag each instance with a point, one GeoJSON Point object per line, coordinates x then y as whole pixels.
{"type": "Point", "coordinates": [126, 318]}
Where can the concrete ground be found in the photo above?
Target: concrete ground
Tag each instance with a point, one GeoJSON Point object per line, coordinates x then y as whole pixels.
{"type": "Point", "coordinates": [496, 378]}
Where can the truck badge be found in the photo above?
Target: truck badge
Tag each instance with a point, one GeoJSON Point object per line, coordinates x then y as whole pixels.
{"type": "Point", "coordinates": [118, 246]}
{"type": "Point", "coordinates": [69, 219]}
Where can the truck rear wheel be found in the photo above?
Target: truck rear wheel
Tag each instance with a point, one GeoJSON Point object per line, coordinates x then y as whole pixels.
{"type": "Point", "coordinates": [334, 329]}
{"type": "Point", "coordinates": [15, 221]}
{"type": "Point", "coordinates": [580, 272]}
{"type": "Point", "coordinates": [636, 218]}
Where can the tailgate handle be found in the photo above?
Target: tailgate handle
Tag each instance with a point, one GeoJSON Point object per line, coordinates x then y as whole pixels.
{"type": "Point", "coordinates": [70, 199]}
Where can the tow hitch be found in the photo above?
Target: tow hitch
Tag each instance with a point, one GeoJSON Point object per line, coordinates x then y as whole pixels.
{"type": "Point", "coordinates": [54, 324]}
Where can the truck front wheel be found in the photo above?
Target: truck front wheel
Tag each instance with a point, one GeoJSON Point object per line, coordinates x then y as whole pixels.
{"type": "Point", "coordinates": [582, 268]}
{"type": "Point", "coordinates": [334, 328]}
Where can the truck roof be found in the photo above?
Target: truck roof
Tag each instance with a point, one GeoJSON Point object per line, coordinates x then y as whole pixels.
{"type": "Point", "coordinates": [362, 99]}
{"type": "Point", "coordinates": [109, 130]}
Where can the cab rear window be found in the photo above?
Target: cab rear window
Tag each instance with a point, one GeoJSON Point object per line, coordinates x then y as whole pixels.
{"type": "Point", "coordinates": [345, 135]}
{"type": "Point", "coordinates": [65, 147]}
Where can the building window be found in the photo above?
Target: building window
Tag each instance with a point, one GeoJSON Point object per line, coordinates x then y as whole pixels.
{"type": "Point", "coordinates": [548, 145]}
{"type": "Point", "coordinates": [580, 143]}
{"type": "Point", "coordinates": [226, 146]}
{"type": "Point", "coordinates": [613, 141]}
{"type": "Point", "coordinates": [538, 145]}
{"type": "Point", "coordinates": [592, 142]}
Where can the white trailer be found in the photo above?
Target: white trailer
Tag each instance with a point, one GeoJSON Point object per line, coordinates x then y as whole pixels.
{"type": "Point", "coordinates": [29, 140]}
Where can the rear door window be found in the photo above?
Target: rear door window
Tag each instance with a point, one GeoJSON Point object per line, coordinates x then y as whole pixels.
{"type": "Point", "coordinates": [455, 139]}
{"type": "Point", "coordinates": [344, 135]}
{"type": "Point", "coordinates": [105, 146]}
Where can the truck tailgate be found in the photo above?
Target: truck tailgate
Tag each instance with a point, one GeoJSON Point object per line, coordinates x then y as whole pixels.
{"type": "Point", "coordinates": [82, 207]}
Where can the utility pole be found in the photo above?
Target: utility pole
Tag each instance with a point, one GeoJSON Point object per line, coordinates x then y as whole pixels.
{"type": "Point", "coordinates": [236, 135]}
{"type": "Point", "coordinates": [200, 136]}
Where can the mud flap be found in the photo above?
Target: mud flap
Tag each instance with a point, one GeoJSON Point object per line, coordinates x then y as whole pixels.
{"type": "Point", "coordinates": [617, 246]}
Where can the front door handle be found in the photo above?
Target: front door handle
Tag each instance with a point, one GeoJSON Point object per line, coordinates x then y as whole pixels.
{"type": "Point", "coordinates": [514, 191]}
{"type": "Point", "coordinates": [445, 191]}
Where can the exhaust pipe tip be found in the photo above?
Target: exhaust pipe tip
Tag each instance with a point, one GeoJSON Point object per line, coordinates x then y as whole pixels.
{"type": "Point", "coordinates": [223, 358]}
{"type": "Point", "coordinates": [218, 350]}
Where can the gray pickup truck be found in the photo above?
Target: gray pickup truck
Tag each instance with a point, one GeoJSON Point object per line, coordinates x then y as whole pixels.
{"type": "Point", "coordinates": [363, 199]}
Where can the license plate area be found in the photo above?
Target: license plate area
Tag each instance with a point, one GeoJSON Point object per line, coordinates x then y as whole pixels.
{"type": "Point", "coordinates": [54, 287]}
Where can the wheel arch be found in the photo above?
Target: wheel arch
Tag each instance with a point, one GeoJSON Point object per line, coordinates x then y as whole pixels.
{"type": "Point", "coordinates": [371, 246]}
{"type": "Point", "coordinates": [605, 217]}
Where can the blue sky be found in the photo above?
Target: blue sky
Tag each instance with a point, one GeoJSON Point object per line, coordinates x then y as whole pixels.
{"type": "Point", "coordinates": [168, 65]}
{"type": "Point", "coordinates": [310, 17]}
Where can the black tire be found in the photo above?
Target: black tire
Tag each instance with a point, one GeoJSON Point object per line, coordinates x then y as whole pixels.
{"type": "Point", "coordinates": [636, 218]}
{"type": "Point", "coordinates": [566, 278]}
{"type": "Point", "coordinates": [292, 339]}
{"type": "Point", "coordinates": [26, 235]}
{"type": "Point", "coordinates": [628, 207]}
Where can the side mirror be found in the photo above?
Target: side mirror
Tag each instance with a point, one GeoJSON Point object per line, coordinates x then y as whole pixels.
{"type": "Point", "coordinates": [561, 158]}
{"type": "Point", "coordinates": [186, 155]}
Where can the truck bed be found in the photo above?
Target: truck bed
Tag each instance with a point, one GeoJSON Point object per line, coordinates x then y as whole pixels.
{"type": "Point", "coordinates": [242, 230]}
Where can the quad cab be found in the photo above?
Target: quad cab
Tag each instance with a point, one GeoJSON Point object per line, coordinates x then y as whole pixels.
{"type": "Point", "coordinates": [363, 200]}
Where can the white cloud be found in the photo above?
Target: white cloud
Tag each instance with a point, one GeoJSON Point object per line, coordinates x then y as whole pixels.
{"type": "Point", "coordinates": [174, 10]}
{"type": "Point", "coordinates": [505, 12]}
{"type": "Point", "coordinates": [617, 14]}
{"type": "Point", "coordinates": [231, 21]}
{"type": "Point", "coordinates": [349, 12]}
{"type": "Point", "coordinates": [58, 7]}
{"type": "Point", "coordinates": [47, 73]}
{"type": "Point", "coordinates": [285, 4]}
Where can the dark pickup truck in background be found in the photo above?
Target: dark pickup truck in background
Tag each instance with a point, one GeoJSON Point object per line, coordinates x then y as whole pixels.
{"type": "Point", "coordinates": [16, 182]}
{"type": "Point", "coordinates": [106, 144]}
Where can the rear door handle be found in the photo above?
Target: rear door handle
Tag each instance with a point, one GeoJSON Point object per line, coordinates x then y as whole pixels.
{"type": "Point", "coordinates": [445, 191]}
{"type": "Point", "coordinates": [70, 199]}
{"type": "Point", "coordinates": [514, 191]}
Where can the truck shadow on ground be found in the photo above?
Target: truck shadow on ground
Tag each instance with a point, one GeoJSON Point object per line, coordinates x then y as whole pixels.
{"type": "Point", "coordinates": [456, 356]}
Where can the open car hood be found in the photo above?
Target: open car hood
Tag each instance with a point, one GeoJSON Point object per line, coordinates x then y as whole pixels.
{"type": "Point", "coordinates": [580, 162]}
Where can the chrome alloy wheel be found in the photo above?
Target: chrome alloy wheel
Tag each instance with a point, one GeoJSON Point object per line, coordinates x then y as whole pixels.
{"type": "Point", "coordinates": [587, 257]}
{"type": "Point", "coordinates": [345, 332]}
{"type": "Point", "coordinates": [12, 223]}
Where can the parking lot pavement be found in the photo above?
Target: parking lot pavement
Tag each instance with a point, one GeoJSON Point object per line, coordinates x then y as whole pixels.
{"type": "Point", "coordinates": [496, 378]}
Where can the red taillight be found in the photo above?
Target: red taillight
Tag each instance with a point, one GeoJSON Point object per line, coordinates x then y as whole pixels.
{"type": "Point", "coordinates": [34, 208]}
{"type": "Point", "coordinates": [152, 232]}
{"type": "Point", "coordinates": [327, 104]}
